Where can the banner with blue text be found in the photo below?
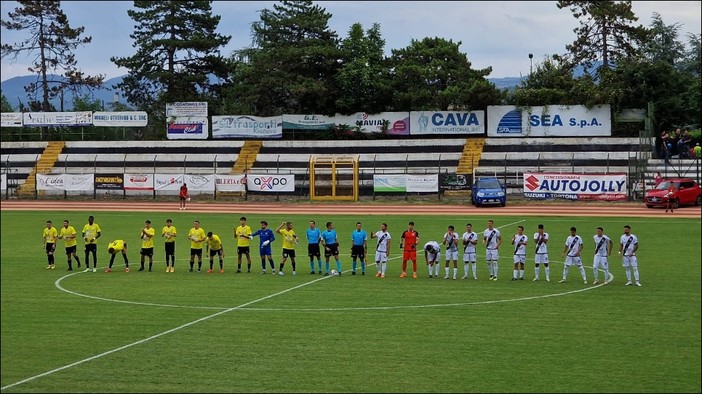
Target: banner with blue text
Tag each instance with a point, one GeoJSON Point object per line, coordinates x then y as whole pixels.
{"type": "Point", "coordinates": [549, 121]}
{"type": "Point", "coordinates": [447, 122]}
{"type": "Point", "coordinates": [604, 187]}
{"type": "Point", "coordinates": [247, 126]}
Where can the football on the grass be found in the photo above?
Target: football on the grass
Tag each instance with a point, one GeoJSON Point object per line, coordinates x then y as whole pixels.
{"type": "Point", "coordinates": [334, 272]}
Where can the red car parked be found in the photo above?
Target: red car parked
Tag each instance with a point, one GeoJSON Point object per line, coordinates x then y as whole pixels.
{"type": "Point", "coordinates": [687, 192]}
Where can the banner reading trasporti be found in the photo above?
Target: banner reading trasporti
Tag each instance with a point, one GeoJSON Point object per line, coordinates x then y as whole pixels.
{"type": "Point", "coordinates": [609, 187]}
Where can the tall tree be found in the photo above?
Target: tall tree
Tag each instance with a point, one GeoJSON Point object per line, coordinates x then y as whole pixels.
{"type": "Point", "coordinates": [291, 65]}
{"type": "Point", "coordinates": [663, 43]}
{"type": "Point", "coordinates": [52, 42]}
{"type": "Point", "coordinates": [5, 104]}
{"type": "Point", "coordinates": [363, 76]}
{"type": "Point", "coordinates": [606, 33]}
{"type": "Point", "coordinates": [433, 74]}
{"type": "Point", "coordinates": [177, 57]}
{"type": "Point", "coordinates": [553, 83]}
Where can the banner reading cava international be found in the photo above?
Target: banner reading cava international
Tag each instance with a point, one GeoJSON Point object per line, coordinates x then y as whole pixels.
{"type": "Point", "coordinates": [121, 119]}
{"type": "Point", "coordinates": [447, 122]}
{"type": "Point", "coordinates": [247, 126]}
{"type": "Point", "coordinates": [609, 187]}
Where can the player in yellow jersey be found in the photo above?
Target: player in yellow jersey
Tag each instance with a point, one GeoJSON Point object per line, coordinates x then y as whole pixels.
{"type": "Point", "coordinates": [196, 235]}
{"type": "Point", "coordinates": [289, 242]}
{"type": "Point", "coordinates": [147, 244]}
{"type": "Point", "coordinates": [215, 247]}
{"type": "Point", "coordinates": [68, 235]}
{"type": "Point", "coordinates": [169, 233]}
{"type": "Point", "coordinates": [115, 246]}
{"type": "Point", "coordinates": [243, 240]}
{"type": "Point", "coordinates": [49, 236]}
{"type": "Point", "coordinates": [91, 232]}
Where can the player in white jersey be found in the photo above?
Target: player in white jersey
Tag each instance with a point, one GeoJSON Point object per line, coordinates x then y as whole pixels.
{"type": "Point", "coordinates": [628, 245]}
{"type": "Point", "coordinates": [571, 251]}
{"type": "Point", "coordinates": [603, 249]}
{"type": "Point", "coordinates": [520, 242]}
{"type": "Point", "coordinates": [432, 255]}
{"type": "Point", "coordinates": [382, 250]}
{"type": "Point", "coordinates": [541, 256]}
{"type": "Point", "coordinates": [470, 239]}
{"type": "Point", "coordinates": [451, 242]}
{"type": "Point", "coordinates": [492, 240]}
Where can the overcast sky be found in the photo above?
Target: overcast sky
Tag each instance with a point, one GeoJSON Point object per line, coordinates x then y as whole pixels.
{"type": "Point", "coordinates": [498, 34]}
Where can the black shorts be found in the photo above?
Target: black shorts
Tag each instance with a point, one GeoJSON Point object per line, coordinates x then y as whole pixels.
{"type": "Point", "coordinates": [358, 251]}
{"type": "Point", "coordinates": [147, 252]}
{"type": "Point", "coordinates": [50, 248]}
{"type": "Point", "coordinates": [91, 247]}
{"type": "Point", "coordinates": [196, 252]}
{"type": "Point", "coordinates": [70, 249]}
{"type": "Point", "coordinates": [213, 252]}
{"type": "Point", "coordinates": [289, 253]}
{"type": "Point", "coordinates": [333, 250]}
{"type": "Point", "coordinates": [313, 250]}
{"type": "Point", "coordinates": [170, 248]}
{"type": "Point", "coordinates": [242, 250]}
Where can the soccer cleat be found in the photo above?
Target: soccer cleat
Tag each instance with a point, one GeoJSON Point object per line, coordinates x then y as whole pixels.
{"type": "Point", "coordinates": [168, 269]}
{"type": "Point", "coordinates": [494, 278]}
{"type": "Point", "coordinates": [263, 272]}
{"type": "Point", "coordinates": [513, 279]}
{"type": "Point", "coordinates": [403, 274]}
{"type": "Point", "coordinates": [535, 280]}
{"type": "Point", "coordinates": [606, 282]}
{"type": "Point", "coordinates": [273, 272]}
{"type": "Point", "coordinates": [464, 277]}
{"type": "Point", "coordinates": [446, 277]}
{"type": "Point", "coordinates": [238, 271]}
{"type": "Point", "coordinates": [108, 270]}
{"type": "Point", "coordinates": [280, 273]}
{"type": "Point", "coordinates": [491, 277]}
{"type": "Point", "coordinates": [199, 270]}
{"type": "Point", "coordinates": [562, 281]}
{"type": "Point", "coordinates": [190, 270]}
{"type": "Point", "coordinates": [294, 273]}
{"type": "Point", "coordinates": [248, 271]}
{"type": "Point", "coordinates": [638, 284]}
{"type": "Point", "coordinates": [382, 276]}
{"type": "Point", "coordinates": [548, 279]}
{"type": "Point", "coordinates": [126, 269]}
{"type": "Point", "coordinates": [596, 282]}
{"type": "Point", "coordinates": [414, 275]}
{"type": "Point", "coordinates": [94, 269]}
{"type": "Point", "coordinates": [69, 269]}
{"type": "Point", "coordinates": [353, 272]}
{"type": "Point", "coordinates": [522, 278]}
{"type": "Point", "coordinates": [87, 270]}
{"type": "Point", "coordinates": [585, 281]}
{"type": "Point", "coordinates": [628, 283]}
{"type": "Point", "coordinates": [363, 272]}
{"type": "Point", "coordinates": [454, 277]}
{"type": "Point", "coordinates": [326, 274]}
{"type": "Point", "coordinates": [209, 271]}
{"type": "Point", "coordinates": [221, 271]}
{"type": "Point", "coordinates": [141, 269]}
{"type": "Point", "coordinates": [378, 275]}
{"type": "Point", "coordinates": [312, 273]}
{"type": "Point", "coordinates": [53, 267]}
{"type": "Point", "coordinates": [430, 276]}
{"type": "Point", "coordinates": [48, 267]}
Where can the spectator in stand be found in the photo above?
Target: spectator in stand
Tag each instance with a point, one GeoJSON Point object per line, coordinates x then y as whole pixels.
{"type": "Point", "coordinates": [674, 140]}
{"type": "Point", "coordinates": [697, 151]}
{"type": "Point", "coordinates": [665, 140]}
{"type": "Point", "coordinates": [686, 145]}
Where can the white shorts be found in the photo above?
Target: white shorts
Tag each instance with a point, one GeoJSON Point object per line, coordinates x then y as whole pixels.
{"type": "Point", "coordinates": [433, 257]}
{"type": "Point", "coordinates": [519, 258]}
{"type": "Point", "coordinates": [541, 258]}
{"type": "Point", "coordinates": [452, 255]}
{"type": "Point", "coordinates": [491, 254]}
{"type": "Point", "coordinates": [381, 256]}
{"type": "Point", "coordinates": [600, 262]}
{"type": "Point", "coordinates": [469, 257]}
{"type": "Point", "coordinates": [629, 261]}
{"type": "Point", "coordinates": [573, 260]}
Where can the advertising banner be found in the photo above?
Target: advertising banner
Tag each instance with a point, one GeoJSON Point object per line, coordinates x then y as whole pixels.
{"type": "Point", "coordinates": [270, 183]}
{"type": "Point", "coordinates": [387, 183]}
{"type": "Point", "coordinates": [121, 119]}
{"type": "Point", "coordinates": [36, 119]}
{"type": "Point", "coordinates": [186, 109]}
{"type": "Point", "coordinates": [78, 182]}
{"type": "Point", "coordinates": [453, 181]}
{"type": "Point", "coordinates": [549, 121]}
{"type": "Point", "coordinates": [138, 182]}
{"type": "Point", "coordinates": [11, 119]}
{"type": "Point", "coordinates": [49, 182]}
{"type": "Point", "coordinates": [422, 183]}
{"type": "Point", "coordinates": [247, 126]}
{"type": "Point", "coordinates": [230, 183]}
{"type": "Point", "coordinates": [447, 122]}
{"type": "Point", "coordinates": [187, 128]}
{"type": "Point", "coordinates": [109, 181]}
{"type": "Point", "coordinates": [3, 182]}
{"type": "Point", "coordinates": [170, 182]}
{"type": "Point", "coordinates": [609, 187]}
{"type": "Point", "coordinates": [200, 183]}
{"type": "Point", "coordinates": [306, 122]}
{"type": "Point", "coordinates": [398, 123]}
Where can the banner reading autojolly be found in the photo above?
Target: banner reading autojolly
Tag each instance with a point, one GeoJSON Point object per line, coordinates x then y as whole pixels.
{"type": "Point", "coordinates": [549, 121]}
{"type": "Point", "coordinates": [270, 183]}
{"type": "Point", "coordinates": [609, 187]}
{"type": "Point", "coordinates": [447, 122]}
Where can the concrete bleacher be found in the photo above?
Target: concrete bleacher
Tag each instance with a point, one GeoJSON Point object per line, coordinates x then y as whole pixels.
{"type": "Point", "coordinates": [19, 158]}
{"type": "Point", "coordinates": [509, 158]}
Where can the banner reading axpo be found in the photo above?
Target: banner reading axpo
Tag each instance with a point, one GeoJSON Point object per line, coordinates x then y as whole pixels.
{"type": "Point", "coordinates": [270, 183]}
{"type": "Point", "coordinates": [610, 187]}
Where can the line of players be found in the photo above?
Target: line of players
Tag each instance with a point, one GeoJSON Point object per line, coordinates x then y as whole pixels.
{"type": "Point", "coordinates": [328, 239]}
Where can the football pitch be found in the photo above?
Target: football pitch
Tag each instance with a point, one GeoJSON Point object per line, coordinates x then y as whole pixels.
{"type": "Point", "coordinates": [197, 332]}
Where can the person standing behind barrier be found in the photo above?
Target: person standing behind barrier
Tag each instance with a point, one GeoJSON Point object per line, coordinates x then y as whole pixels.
{"type": "Point", "coordinates": [359, 248]}
{"type": "Point", "coordinates": [628, 245]}
{"type": "Point", "coordinates": [571, 251]}
{"type": "Point", "coordinates": [49, 236]}
{"type": "Point", "coordinates": [68, 234]}
{"type": "Point", "coordinates": [520, 242]}
{"type": "Point", "coordinates": [169, 233]}
{"type": "Point", "coordinates": [147, 244]}
{"type": "Point", "coordinates": [331, 247]}
{"type": "Point", "coordinates": [541, 253]}
{"type": "Point", "coordinates": [603, 249]}
{"type": "Point", "coordinates": [243, 242]}
{"type": "Point", "coordinates": [470, 240]}
{"type": "Point", "coordinates": [451, 242]}
{"type": "Point", "coordinates": [215, 248]}
{"type": "Point", "coordinates": [658, 179]}
{"type": "Point", "coordinates": [408, 245]}
{"type": "Point", "coordinates": [266, 236]}
{"type": "Point", "coordinates": [289, 242]}
{"type": "Point", "coordinates": [382, 250]}
{"type": "Point", "coordinates": [183, 195]}
{"type": "Point", "coordinates": [314, 237]}
{"type": "Point", "coordinates": [91, 232]}
{"type": "Point", "coordinates": [492, 239]}
{"type": "Point", "coordinates": [196, 235]}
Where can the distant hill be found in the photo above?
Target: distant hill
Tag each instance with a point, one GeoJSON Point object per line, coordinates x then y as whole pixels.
{"type": "Point", "coordinates": [13, 89]}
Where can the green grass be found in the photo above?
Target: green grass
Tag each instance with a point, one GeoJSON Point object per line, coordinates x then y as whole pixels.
{"type": "Point", "coordinates": [319, 338]}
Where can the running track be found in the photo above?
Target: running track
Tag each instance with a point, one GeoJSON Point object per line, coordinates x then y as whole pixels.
{"type": "Point", "coordinates": [580, 209]}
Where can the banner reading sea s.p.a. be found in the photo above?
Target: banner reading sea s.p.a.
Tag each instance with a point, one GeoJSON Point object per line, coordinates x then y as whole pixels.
{"type": "Point", "coordinates": [447, 122]}
{"type": "Point", "coordinates": [609, 187]}
{"type": "Point", "coordinates": [549, 121]}
{"type": "Point", "coordinates": [247, 126]}
{"type": "Point", "coordinates": [270, 183]}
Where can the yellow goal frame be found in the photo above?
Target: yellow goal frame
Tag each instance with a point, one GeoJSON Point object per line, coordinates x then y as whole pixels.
{"type": "Point", "coordinates": [334, 164]}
